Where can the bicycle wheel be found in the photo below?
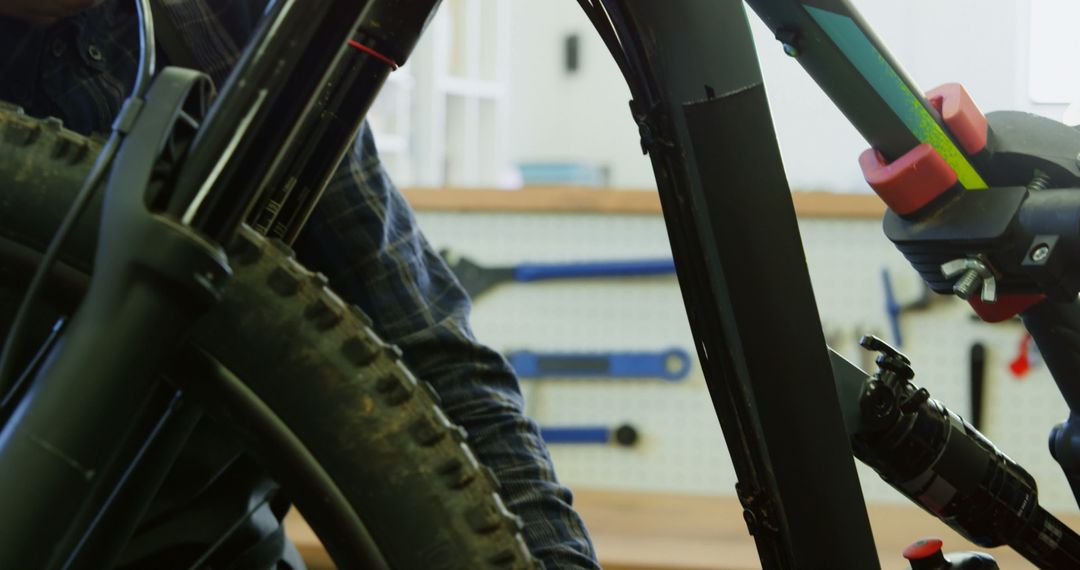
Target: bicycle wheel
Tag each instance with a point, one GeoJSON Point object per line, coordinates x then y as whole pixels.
{"type": "Point", "coordinates": [316, 362]}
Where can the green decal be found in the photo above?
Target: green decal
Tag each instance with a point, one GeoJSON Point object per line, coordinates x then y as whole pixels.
{"type": "Point", "coordinates": [883, 78]}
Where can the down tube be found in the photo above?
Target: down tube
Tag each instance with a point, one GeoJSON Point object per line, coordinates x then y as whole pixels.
{"type": "Point", "coordinates": [745, 283]}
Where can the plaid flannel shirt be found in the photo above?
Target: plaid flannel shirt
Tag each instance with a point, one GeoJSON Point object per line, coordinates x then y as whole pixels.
{"type": "Point", "coordinates": [363, 236]}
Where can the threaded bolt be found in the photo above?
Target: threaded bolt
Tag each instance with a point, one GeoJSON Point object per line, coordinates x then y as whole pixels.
{"type": "Point", "coordinates": [1039, 182]}
{"type": "Point", "coordinates": [968, 284]}
{"type": "Point", "coordinates": [1039, 254]}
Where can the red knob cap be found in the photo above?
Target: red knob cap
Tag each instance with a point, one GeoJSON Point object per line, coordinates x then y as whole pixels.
{"type": "Point", "coordinates": [926, 555]}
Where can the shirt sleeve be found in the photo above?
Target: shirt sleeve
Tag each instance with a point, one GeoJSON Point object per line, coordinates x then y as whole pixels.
{"type": "Point", "coordinates": [364, 237]}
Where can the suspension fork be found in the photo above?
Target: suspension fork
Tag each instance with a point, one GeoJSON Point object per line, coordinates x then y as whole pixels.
{"type": "Point", "coordinates": [308, 112]}
{"type": "Point", "coordinates": [158, 266]}
{"type": "Point", "coordinates": [93, 403]}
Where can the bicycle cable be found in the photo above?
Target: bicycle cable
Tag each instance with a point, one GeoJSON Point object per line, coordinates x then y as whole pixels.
{"type": "Point", "coordinates": [17, 330]}
{"type": "Point", "coordinates": [630, 51]}
{"type": "Point", "coordinates": [598, 16]}
{"type": "Point", "coordinates": [606, 17]}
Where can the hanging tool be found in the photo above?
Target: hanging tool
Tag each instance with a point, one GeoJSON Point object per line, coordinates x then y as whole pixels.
{"type": "Point", "coordinates": [478, 279]}
{"type": "Point", "coordinates": [671, 365]}
{"type": "Point", "coordinates": [895, 309]}
{"type": "Point", "coordinates": [1027, 357]}
{"type": "Point", "coordinates": [625, 435]}
{"type": "Point", "coordinates": [978, 375]}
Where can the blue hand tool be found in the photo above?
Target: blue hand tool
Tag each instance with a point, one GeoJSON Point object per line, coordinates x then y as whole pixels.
{"type": "Point", "coordinates": [526, 272]}
{"type": "Point", "coordinates": [672, 364]}
{"type": "Point", "coordinates": [624, 435]}
{"type": "Point", "coordinates": [477, 279]}
{"type": "Point", "coordinates": [895, 308]}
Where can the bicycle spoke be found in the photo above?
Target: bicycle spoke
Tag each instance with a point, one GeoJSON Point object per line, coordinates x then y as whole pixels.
{"type": "Point", "coordinates": [9, 399]}
{"type": "Point", "coordinates": [225, 536]}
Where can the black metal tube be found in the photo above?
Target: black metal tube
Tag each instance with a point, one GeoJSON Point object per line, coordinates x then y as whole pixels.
{"type": "Point", "coordinates": [307, 161]}
{"type": "Point", "coordinates": [939, 461]}
{"type": "Point", "coordinates": [744, 279]}
{"type": "Point", "coordinates": [305, 166]}
{"type": "Point", "coordinates": [801, 25]}
{"type": "Point", "coordinates": [268, 94]}
{"type": "Point", "coordinates": [841, 53]}
{"type": "Point", "coordinates": [1055, 327]}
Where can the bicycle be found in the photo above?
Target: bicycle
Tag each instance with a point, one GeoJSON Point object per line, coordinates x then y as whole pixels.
{"type": "Point", "coordinates": [387, 434]}
{"type": "Point", "coordinates": [738, 306]}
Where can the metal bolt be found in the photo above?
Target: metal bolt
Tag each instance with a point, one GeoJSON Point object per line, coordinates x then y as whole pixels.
{"type": "Point", "coordinates": [1040, 253]}
{"type": "Point", "coordinates": [1039, 182]}
{"type": "Point", "coordinates": [974, 275]}
{"type": "Point", "coordinates": [94, 52]}
{"type": "Point", "coordinates": [968, 283]}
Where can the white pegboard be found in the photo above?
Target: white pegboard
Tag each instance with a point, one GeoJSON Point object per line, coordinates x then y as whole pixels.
{"type": "Point", "coordinates": [682, 447]}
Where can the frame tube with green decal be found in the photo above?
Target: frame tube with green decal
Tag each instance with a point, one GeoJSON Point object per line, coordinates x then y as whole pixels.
{"type": "Point", "coordinates": [841, 53]}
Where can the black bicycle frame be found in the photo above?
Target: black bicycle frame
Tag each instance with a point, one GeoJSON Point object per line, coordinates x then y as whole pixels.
{"type": "Point", "coordinates": [704, 119]}
{"type": "Point", "coordinates": [312, 69]}
{"type": "Point", "coordinates": [284, 120]}
{"type": "Point", "coordinates": [744, 280]}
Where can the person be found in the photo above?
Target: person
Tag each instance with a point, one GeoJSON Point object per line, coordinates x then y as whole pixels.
{"type": "Point", "coordinates": [77, 59]}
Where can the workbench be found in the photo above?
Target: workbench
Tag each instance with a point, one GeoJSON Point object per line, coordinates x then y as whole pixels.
{"type": "Point", "coordinates": [651, 531]}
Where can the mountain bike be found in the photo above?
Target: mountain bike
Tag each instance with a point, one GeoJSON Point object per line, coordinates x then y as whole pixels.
{"type": "Point", "coordinates": [186, 257]}
{"type": "Point", "coordinates": [96, 421]}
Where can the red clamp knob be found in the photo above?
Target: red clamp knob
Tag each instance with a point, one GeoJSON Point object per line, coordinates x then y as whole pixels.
{"type": "Point", "coordinates": [915, 179]}
{"type": "Point", "coordinates": [1006, 307]}
{"type": "Point", "coordinates": [926, 554]}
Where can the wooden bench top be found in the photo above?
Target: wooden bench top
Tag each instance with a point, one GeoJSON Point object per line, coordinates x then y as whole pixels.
{"type": "Point", "coordinates": [654, 531]}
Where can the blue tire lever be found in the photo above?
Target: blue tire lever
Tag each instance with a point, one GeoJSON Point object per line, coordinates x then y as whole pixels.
{"type": "Point", "coordinates": [671, 365]}
{"type": "Point", "coordinates": [478, 279]}
{"type": "Point", "coordinates": [624, 435]}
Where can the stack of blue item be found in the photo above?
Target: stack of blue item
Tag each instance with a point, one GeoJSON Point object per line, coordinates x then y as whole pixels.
{"type": "Point", "coordinates": [563, 174]}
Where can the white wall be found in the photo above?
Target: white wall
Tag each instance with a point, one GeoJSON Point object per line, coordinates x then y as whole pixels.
{"type": "Point", "coordinates": [555, 116]}
{"type": "Point", "coordinates": [981, 44]}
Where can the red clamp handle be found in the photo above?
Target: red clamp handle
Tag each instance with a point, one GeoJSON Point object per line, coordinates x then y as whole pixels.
{"type": "Point", "coordinates": [911, 181]}
{"type": "Point", "coordinates": [914, 180]}
{"type": "Point", "coordinates": [964, 119]}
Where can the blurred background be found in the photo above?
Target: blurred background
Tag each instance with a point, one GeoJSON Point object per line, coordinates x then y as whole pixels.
{"type": "Point", "coordinates": [510, 133]}
{"type": "Point", "coordinates": [500, 84]}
